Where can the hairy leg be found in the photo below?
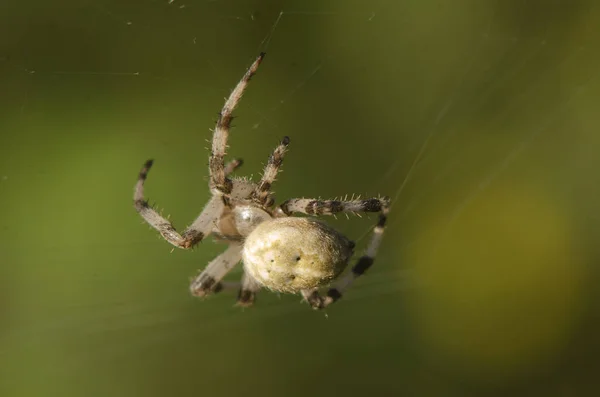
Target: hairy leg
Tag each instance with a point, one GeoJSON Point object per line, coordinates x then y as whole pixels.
{"type": "Point", "coordinates": [364, 263]}
{"type": "Point", "coordinates": [219, 183]}
{"type": "Point", "coordinates": [332, 207]}
{"type": "Point", "coordinates": [262, 193]}
{"type": "Point", "coordinates": [209, 279]}
{"type": "Point", "coordinates": [191, 236]}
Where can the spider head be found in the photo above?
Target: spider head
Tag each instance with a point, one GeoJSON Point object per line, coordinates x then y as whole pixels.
{"type": "Point", "coordinates": [247, 217]}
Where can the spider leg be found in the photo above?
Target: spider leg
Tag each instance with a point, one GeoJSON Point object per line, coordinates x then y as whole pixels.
{"type": "Point", "coordinates": [233, 165]}
{"type": "Point", "coordinates": [364, 262]}
{"type": "Point", "coordinates": [219, 183]}
{"type": "Point", "coordinates": [314, 299]}
{"type": "Point", "coordinates": [248, 290]}
{"type": "Point", "coordinates": [199, 229]}
{"type": "Point", "coordinates": [332, 207]}
{"type": "Point", "coordinates": [262, 192]}
{"type": "Point", "coordinates": [209, 280]}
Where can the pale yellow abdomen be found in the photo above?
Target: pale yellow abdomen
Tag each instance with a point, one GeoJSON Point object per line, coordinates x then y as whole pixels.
{"type": "Point", "coordinates": [294, 254]}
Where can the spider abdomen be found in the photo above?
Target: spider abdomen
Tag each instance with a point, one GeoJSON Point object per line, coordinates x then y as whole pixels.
{"type": "Point", "coordinates": [294, 254]}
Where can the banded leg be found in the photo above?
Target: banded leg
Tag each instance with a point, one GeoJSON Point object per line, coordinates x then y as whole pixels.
{"type": "Point", "coordinates": [191, 236]}
{"type": "Point", "coordinates": [247, 292]}
{"type": "Point", "coordinates": [219, 183]}
{"type": "Point", "coordinates": [262, 193]}
{"type": "Point", "coordinates": [331, 207]}
{"type": "Point", "coordinates": [209, 280]}
{"type": "Point", "coordinates": [364, 262]}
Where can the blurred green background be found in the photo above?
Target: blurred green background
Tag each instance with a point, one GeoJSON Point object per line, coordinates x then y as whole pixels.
{"type": "Point", "coordinates": [479, 118]}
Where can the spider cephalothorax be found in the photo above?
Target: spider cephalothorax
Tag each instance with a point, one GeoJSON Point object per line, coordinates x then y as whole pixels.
{"type": "Point", "coordinates": [280, 252]}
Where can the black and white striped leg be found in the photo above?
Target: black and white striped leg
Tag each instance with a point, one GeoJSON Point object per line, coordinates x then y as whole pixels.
{"type": "Point", "coordinates": [219, 182]}
{"type": "Point", "coordinates": [332, 207]}
{"type": "Point", "coordinates": [192, 235]}
{"type": "Point", "coordinates": [364, 263]}
{"type": "Point", "coordinates": [209, 280]}
{"type": "Point", "coordinates": [262, 193]}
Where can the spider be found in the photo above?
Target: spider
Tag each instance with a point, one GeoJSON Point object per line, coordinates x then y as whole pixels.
{"type": "Point", "coordinates": [279, 252]}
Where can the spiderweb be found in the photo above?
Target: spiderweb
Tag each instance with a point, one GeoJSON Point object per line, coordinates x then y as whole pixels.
{"type": "Point", "coordinates": [434, 106]}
